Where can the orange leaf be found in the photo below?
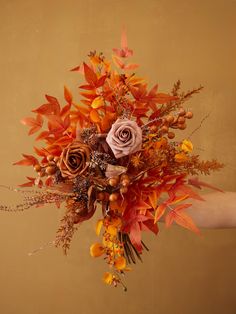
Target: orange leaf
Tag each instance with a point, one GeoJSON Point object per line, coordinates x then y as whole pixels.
{"type": "Point", "coordinates": [90, 75]}
{"type": "Point", "coordinates": [35, 124]}
{"type": "Point", "coordinates": [27, 161]}
{"type": "Point", "coordinates": [153, 198]}
{"type": "Point", "coordinates": [181, 218]}
{"type": "Point", "coordinates": [160, 211]}
{"type": "Point", "coordinates": [67, 95]}
{"type": "Point", "coordinates": [178, 199]}
{"type": "Point", "coordinates": [28, 184]}
{"type": "Point", "coordinates": [199, 184]}
{"type": "Point", "coordinates": [94, 116]}
{"type": "Point", "coordinates": [53, 100]}
{"type": "Point", "coordinates": [97, 102]}
{"type": "Point", "coordinates": [43, 135]}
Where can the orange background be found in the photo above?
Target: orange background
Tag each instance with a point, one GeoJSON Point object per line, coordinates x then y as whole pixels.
{"type": "Point", "coordinates": [193, 41]}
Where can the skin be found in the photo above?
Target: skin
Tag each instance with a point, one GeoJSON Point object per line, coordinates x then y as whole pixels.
{"type": "Point", "coordinates": [217, 211]}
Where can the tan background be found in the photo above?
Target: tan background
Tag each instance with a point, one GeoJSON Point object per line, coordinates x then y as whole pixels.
{"type": "Point", "coordinates": [189, 40]}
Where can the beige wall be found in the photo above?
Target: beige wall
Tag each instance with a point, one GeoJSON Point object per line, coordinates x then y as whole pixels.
{"type": "Point", "coordinates": [189, 40]}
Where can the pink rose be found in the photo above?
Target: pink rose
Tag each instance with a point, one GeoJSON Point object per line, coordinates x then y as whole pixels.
{"type": "Point", "coordinates": [124, 137]}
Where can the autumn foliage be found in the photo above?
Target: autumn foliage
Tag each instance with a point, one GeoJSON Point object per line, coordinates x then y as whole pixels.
{"type": "Point", "coordinates": [76, 165]}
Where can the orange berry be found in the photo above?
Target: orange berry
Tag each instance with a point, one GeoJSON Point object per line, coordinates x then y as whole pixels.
{"type": "Point", "coordinates": [114, 181]}
{"type": "Point", "coordinates": [170, 119]}
{"type": "Point", "coordinates": [125, 182]}
{"type": "Point", "coordinates": [189, 115]}
{"type": "Point", "coordinates": [171, 135]}
{"type": "Point", "coordinates": [124, 177]}
{"type": "Point", "coordinates": [153, 128]}
{"type": "Point", "coordinates": [50, 158]}
{"type": "Point", "coordinates": [113, 197]}
{"type": "Point", "coordinates": [182, 112]}
{"type": "Point", "coordinates": [37, 168]}
{"type": "Point", "coordinates": [164, 128]}
{"type": "Point", "coordinates": [56, 159]}
{"type": "Point", "coordinates": [182, 126]}
{"type": "Point", "coordinates": [181, 120]}
{"type": "Point", "coordinates": [123, 189]}
{"type": "Point", "coordinates": [50, 170]}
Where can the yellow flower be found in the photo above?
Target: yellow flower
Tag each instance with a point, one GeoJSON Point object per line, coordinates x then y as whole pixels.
{"type": "Point", "coordinates": [98, 227]}
{"type": "Point", "coordinates": [120, 263]}
{"type": "Point", "coordinates": [112, 230]}
{"type": "Point", "coordinates": [96, 250]}
{"type": "Point", "coordinates": [187, 146]}
{"type": "Point", "coordinates": [108, 278]}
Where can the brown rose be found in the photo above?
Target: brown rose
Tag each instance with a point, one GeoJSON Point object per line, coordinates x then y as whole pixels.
{"type": "Point", "coordinates": [74, 159]}
{"type": "Point", "coordinates": [124, 137]}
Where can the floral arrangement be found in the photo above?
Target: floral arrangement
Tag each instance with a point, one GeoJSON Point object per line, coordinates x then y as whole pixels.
{"type": "Point", "coordinates": [115, 152]}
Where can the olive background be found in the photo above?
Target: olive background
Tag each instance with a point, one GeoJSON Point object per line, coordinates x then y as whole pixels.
{"type": "Point", "coordinates": [40, 40]}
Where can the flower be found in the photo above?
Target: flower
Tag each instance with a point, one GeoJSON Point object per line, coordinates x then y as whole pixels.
{"type": "Point", "coordinates": [74, 159]}
{"type": "Point", "coordinates": [124, 137]}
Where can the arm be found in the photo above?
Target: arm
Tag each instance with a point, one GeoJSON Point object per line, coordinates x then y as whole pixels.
{"type": "Point", "coordinates": [218, 210]}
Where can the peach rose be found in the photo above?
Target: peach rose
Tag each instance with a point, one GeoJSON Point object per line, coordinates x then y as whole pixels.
{"type": "Point", "coordinates": [124, 137]}
{"type": "Point", "coordinates": [73, 160]}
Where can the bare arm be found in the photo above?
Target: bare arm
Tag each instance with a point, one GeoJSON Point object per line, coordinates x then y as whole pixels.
{"type": "Point", "coordinates": [218, 210]}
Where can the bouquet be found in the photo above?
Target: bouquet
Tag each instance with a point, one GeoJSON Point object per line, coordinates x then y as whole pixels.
{"type": "Point", "coordinates": [117, 151]}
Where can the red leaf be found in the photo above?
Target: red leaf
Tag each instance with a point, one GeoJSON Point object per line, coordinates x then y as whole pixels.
{"type": "Point", "coordinates": [46, 109]}
{"type": "Point", "coordinates": [162, 98]}
{"type": "Point", "coordinates": [87, 87]}
{"type": "Point", "coordinates": [67, 95]}
{"type": "Point", "coordinates": [187, 190]}
{"type": "Point", "coordinates": [56, 124]}
{"type": "Point", "coordinates": [53, 100]}
{"type": "Point", "coordinates": [35, 124]}
{"type": "Point", "coordinates": [65, 110]}
{"type": "Point", "coordinates": [28, 184]}
{"type": "Point", "coordinates": [124, 52]}
{"type": "Point", "coordinates": [76, 68]}
{"type": "Point", "coordinates": [41, 152]}
{"type": "Point", "coordinates": [49, 181]}
{"type": "Point", "coordinates": [90, 75]}
{"type": "Point", "coordinates": [199, 184]}
{"type": "Point", "coordinates": [43, 135]}
{"type": "Point", "coordinates": [101, 81]}
{"type": "Point", "coordinates": [160, 211]}
{"type": "Point", "coordinates": [27, 161]}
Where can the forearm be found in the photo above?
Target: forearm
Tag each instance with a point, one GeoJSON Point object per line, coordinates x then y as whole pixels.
{"type": "Point", "coordinates": [218, 210]}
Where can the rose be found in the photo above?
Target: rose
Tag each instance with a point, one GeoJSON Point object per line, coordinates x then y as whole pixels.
{"type": "Point", "coordinates": [124, 137]}
{"type": "Point", "coordinates": [74, 159]}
